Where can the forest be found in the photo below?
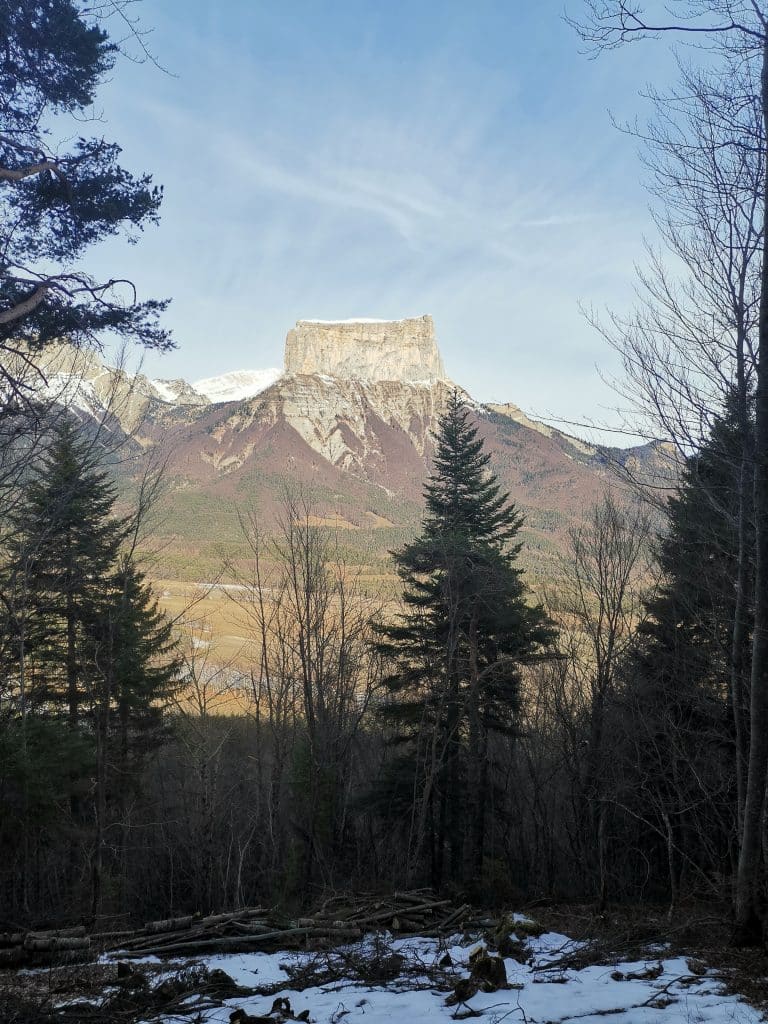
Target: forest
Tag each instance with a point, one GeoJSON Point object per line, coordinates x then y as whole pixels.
{"type": "Point", "coordinates": [604, 741]}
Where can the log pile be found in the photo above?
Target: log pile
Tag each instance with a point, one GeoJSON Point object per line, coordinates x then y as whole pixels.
{"type": "Point", "coordinates": [418, 912]}
{"type": "Point", "coordinates": [19, 947]}
{"type": "Point", "coordinates": [338, 919]}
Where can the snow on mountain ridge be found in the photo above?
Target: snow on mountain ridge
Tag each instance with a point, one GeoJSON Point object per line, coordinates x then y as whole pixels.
{"type": "Point", "coordinates": [70, 390]}
{"type": "Point", "coordinates": [164, 391]}
{"type": "Point", "coordinates": [237, 385]}
{"type": "Point", "coordinates": [356, 320]}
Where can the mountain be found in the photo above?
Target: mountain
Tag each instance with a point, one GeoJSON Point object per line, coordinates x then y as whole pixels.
{"type": "Point", "coordinates": [234, 386]}
{"type": "Point", "coordinates": [350, 418]}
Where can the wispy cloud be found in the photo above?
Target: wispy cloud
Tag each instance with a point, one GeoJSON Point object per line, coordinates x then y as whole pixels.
{"type": "Point", "coordinates": [329, 181]}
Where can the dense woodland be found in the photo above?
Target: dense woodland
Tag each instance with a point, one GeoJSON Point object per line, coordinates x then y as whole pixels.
{"type": "Point", "coordinates": [605, 740]}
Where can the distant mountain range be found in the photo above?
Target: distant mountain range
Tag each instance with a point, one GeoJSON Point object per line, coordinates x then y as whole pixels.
{"type": "Point", "coordinates": [350, 418]}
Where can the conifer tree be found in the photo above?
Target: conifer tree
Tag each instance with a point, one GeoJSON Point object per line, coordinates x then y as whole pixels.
{"type": "Point", "coordinates": [64, 545]}
{"type": "Point", "coordinates": [137, 674]}
{"type": "Point", "coordinates": [675, 709]}
{"type": "Point", "coordinates": [457, 650]}
{"type": "Point", "coordinates": [63, 191]}
{"type": "Point", "coordinates": [146, 666]}
{"type": "Point", "coordinates": [695, 601]}
{"type": "Point", "coordinates": [89, 646]}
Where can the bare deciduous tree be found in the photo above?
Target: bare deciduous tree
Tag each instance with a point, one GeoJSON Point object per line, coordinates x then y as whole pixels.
{"type": "Point", "coordinates": [738, 31]}
{"type": "Point", "coordinates": [313, 673]}
{"type": "Point", "coordinates": [607, 572]}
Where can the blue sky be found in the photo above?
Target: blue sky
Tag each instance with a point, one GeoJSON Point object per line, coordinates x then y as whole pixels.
{"type": "Point", "coordinates": [384, 159]}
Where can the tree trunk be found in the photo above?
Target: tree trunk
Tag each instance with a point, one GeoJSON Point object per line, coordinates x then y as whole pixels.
{"type": "Point", "coordinates": [738, 659]}
{"type": "Point", "coordinates": [454, 826]}
{"type": "Point", "coordinates": [472, 794]}
{"type": "Point", "coordinates": [748, 895]}
{"type": "Point", "coordinates": [97, 866]}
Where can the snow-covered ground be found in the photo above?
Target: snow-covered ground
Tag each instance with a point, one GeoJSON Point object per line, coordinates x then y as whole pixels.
{"type": "Point", "coordinates": [658, 990]}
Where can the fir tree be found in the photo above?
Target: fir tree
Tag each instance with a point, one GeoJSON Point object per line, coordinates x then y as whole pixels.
{"type": "Point", "coordinates": [90, 647]}
{"type": "Point", "coordinates": [138, 673]}
{"type": "Point", "coordinates": [687, 634]}
{"type": "Point", "coordinates": [138, 646]}
{"type": "Point", "coordinates": [674, 710]}
{"type": "Point", "coordinates": [65, 543]}
{"type": "Point", "coordinates": [456, 651]}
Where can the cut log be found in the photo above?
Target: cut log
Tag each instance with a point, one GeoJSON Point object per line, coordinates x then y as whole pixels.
{"type": "Point", "coordinates": [209, 945]}
{"type": "Point", "coordinates": [236, 915]}
{"type": "Point", "coordinates": [455, 916]}
{"type": "Point", "coordinates": [59, 933]}
{"type": "Point", "coordinates": [101, 937]}
{"type": "Point", "coordinates": [383, 915]}
{"type": "Point", "coordinates": [50, 945]}
{"type": "Point", "coordinates": [414, 896]}
{"type": "Point", "coordinates": [253, 928]}
{"type": "Point", "coordinates": [173, 924]}
{"type": "Point", "coordinates": [13, 957]}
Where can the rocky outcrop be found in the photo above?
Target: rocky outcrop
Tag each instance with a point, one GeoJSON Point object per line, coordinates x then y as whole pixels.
{"type": "Point", "coordinates": [357, 425]}
{"type": "Point", "coordinates": [373, 350]}
{"type": "Point", "coordinates": [177, 392]}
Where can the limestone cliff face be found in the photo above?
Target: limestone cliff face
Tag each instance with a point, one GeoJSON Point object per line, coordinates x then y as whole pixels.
{"type": "Point", "coordinates": [353, 423]}
{"type": "Point", "coordinates": [365, 395]}
{"type": "Point", "coordinates": [372, 350]}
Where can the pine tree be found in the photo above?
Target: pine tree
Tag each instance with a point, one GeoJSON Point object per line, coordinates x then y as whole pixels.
{"type": "Point", "coordinates": [66, 540]}
{"type": "Point", "coordinates": [90, 647]}
{"type": "Point", "coordinates": [62, 192]}
{"type": "Point", "coordinates": [457, 650]}
{"type": "Point", "coordinates": [688, 630]}
{"type": "Point", "coordinates": [675, 709]}
{"type": "Point", "coordinates": [139, 671]}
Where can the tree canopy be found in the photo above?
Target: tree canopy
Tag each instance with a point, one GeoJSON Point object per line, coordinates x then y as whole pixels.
{"type": "Point", "coordinates": [62, 191]}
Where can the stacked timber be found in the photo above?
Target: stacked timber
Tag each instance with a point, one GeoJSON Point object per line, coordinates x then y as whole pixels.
{"type": "Point", "coordinates": [338, 919]}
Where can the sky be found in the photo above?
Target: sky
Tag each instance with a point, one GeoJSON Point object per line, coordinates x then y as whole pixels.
{"type": "Point", "coordinates": [381, 158]}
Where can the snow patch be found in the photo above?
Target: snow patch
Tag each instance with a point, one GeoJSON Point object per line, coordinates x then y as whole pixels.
{"type": "Point", "coordinates": [237, 385]}
{"type": "Point", "coordinates": [657, 990]}
{"type": "Point", "coordinates": [71, 391]}
{"type": "Point", "coordinates": [360, 320]}
{"type": "Point", "coordinates": [165, 392]}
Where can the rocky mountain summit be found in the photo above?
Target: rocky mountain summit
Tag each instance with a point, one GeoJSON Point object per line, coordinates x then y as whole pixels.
{"type": "Point", "coordinates": [349, 417]}
{"type": "Point", "coordinates": [374, 350]}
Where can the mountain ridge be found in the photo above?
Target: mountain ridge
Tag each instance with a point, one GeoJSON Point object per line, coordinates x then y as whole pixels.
{"type": "Point", "coordinates": [355, 430]}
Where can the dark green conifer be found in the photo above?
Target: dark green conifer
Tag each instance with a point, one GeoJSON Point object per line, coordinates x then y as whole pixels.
{"type": "Point", "coordinates": [674, 721]}
{"type": "Point", "coordinates": [89, 647]}
{"type": "Point", "coordinates": [456, 651]}
{"type": "Point", "coordinates": [65, 543]}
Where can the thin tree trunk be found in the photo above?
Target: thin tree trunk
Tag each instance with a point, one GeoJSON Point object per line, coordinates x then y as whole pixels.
{"type": "Point", "coordinates": [97, 868]}
{"type": "Point", "coordinates": [601, 855]}
{"type": "Point", "coordinates": [472, 795]}
{"type": "Point", "coordinates": [454, 822]}
{"type": "Point", "coordinates": [671, 864]}
{"type": "Point", "coordinates": [739, 635]}
{"type": "Point", "coordinates": [748, 896]}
